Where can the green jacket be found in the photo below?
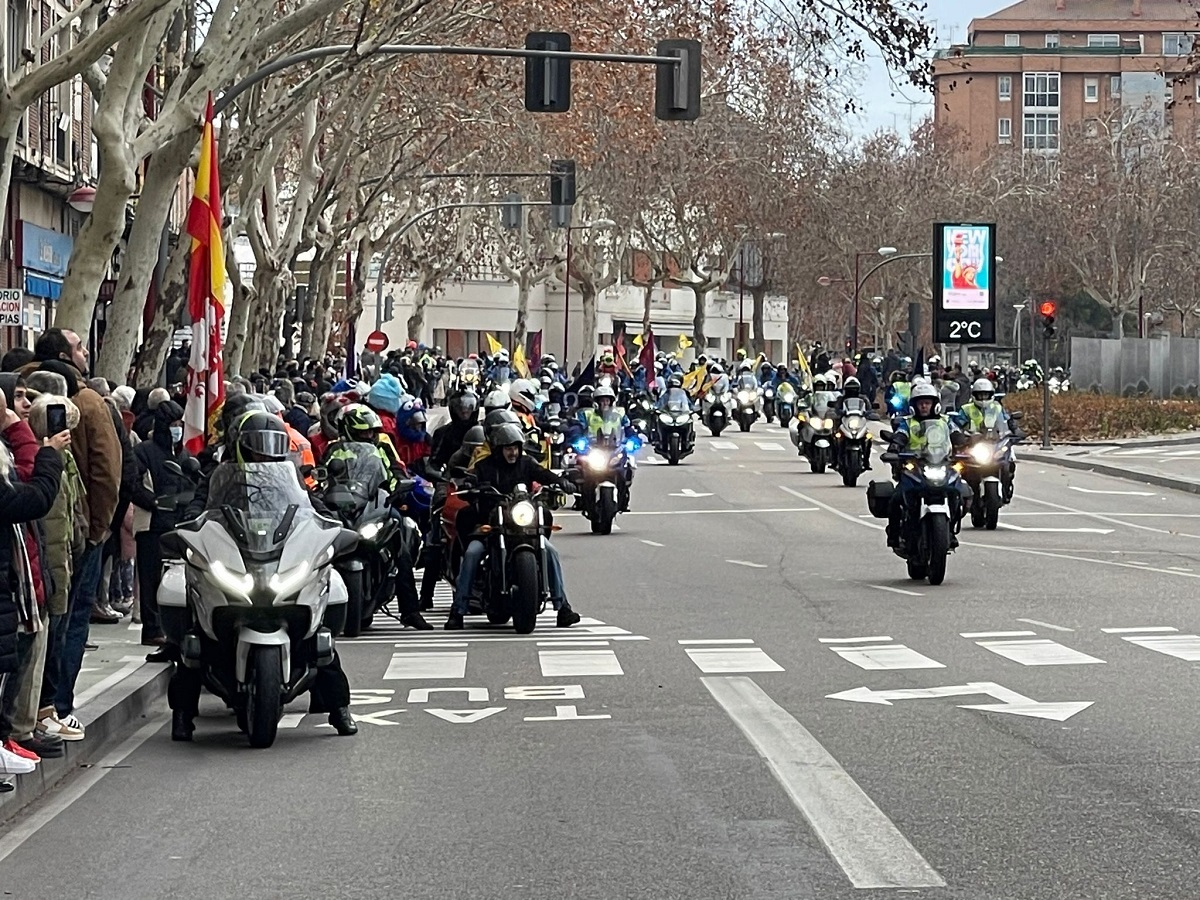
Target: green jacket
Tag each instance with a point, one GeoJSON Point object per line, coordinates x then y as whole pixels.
{"type": "Point", "coordinates": [65, 533]}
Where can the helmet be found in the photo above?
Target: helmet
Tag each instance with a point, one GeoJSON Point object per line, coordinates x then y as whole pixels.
{"type": "Point", "coordinates": [474, 437]}
{"type": "Point", "coordinates": [463, 406]}
{"type": "Point", "coordinates": [927, 390]}
{"type": "Point", "coordinates": [674, 382]}
{"type": "Point", "coordinates": [494, 400]}
{"type": "Point", "coordinates": [260, 437]}
{"type": "Point", "coordinates": [523, 394]}
{"type": "Point", "coordinates": [744, 365]}
{"type": "Point", "coordinates": [506, 435]}
{"type": "Point", "coordinates": [983, 389]}
{"type": "Point", "coordinates": [556, 390]}
{"type": "Point", "coordinates": [604, 391]}
{"type": "Point", "coordinates": [819, 383]}
{"type": "Point", "coordinates": [358, 422]}
{"type": "Point", "coordinates": [235, 407]}
{"type": "Point", "coordinates": [716, 369]}
{"type": "Point", "coordinates": [741, 354]}
{"type": "Point", "coordinates": [498, 417]}
{"type": "Point", "coordinates": [586, 391]}
{"type": "Point", "coordinates": [851, 387]}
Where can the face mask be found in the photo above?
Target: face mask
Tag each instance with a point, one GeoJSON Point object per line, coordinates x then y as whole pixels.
{"type": "Point", "coordinates": [176, 434]}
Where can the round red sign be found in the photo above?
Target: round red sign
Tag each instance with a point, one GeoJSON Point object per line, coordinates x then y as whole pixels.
{"type": "Point", "coordinates": [377, 341]}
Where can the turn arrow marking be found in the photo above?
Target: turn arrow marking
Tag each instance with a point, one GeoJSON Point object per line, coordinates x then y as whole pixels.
{"type": "Point", "coordinates": [1011, 703]}
{"type": "Point", "coordinates": [465, 716]}
{"type": "Point", "coordinates": [688, 492]}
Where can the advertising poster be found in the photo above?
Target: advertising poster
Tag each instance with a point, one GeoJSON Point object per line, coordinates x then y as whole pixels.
{"type": "Point", "coordinates": [966, 254]}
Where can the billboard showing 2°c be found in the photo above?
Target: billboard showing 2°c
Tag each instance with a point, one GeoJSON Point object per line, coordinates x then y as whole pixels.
{"type": "Point", "coordinates": [964, 289]}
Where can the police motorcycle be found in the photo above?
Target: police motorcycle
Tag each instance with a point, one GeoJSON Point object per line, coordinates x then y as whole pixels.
{"type": "Point", "coordinates": [812, 430]}
{"type": "Point", "coordinates": [599, 463]}
{"type": "Point", "coordinates": [986, 464]}
{"type": "Point", "coordinates": [675, 434]}
{"type": "Point", "coordinates": [640, 411]}
{"type": "Point", "coordinates": [248, 605]}
{"type": "Point", "coordinates": [786, 398]}
{"type": "Point", "coordinates": [469, 377]}
{"type": "Point", "coordinates": [852, 440]}
{"type": "Point", "coordinates": [716, 403]}
{"type": "Point", "coordinates": [929, 517]}
{"type": "Point", "coordinates": [354, 486]}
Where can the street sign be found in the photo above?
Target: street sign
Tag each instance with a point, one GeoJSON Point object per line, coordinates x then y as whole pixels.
{"type": "Point", "coordinates": [12, 303]}
{"type": "Point", "coordinates": [964, 283]}
{"type": "Point", "coordinates": [377, 342]}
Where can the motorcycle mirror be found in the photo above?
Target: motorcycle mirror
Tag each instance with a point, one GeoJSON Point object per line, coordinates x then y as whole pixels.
{"type": "Point", "coordinates": [172, 544]}
{"type": "Point", "coordinates": [191, 465]}
{"type": "Point", "coordinates": [888, 457]}
{"type": "Point", "coordinates": [320, 473]}
{"type": "Point", "coordinates": [305, 471]}
{"type": "Point", "coordinates": [886, 435]}
{"type": "Point", "coordinates": [173, 467]}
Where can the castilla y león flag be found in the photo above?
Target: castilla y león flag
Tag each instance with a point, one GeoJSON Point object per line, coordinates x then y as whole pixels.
{"type": "Point", "coordinates": [206, 296]}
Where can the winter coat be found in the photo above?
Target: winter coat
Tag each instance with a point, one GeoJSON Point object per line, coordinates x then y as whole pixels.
{"type": "Point", "coordinates": [65, 529]}
{"type": "Point", "coordinates": [152, 457]}
{"type": "Point", "coordinates": [24, 447]}
{"type": "Point", "coordinates": [20, 503]}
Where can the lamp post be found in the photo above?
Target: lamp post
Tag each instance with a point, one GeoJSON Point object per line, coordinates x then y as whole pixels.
{"type": "Point", "coordinates": [858, 283]}
{"type": "Point", "coordinates": [1017, 328]}
{"type": "Point", "coordinates": [599, 223]}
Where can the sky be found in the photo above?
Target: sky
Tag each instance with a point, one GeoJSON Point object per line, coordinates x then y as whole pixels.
{"type": "Point", "coordinates": [890, 103]}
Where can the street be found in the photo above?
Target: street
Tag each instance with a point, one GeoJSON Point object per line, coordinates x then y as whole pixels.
{"type": "Point", "coordinates": [757, 704]}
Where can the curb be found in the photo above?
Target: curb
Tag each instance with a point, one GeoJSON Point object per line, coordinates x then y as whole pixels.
{"type": "Point", "coordinates": [1183, 438]}
{"type": "Point", "coordinates": [106, 719]}
{"type": "Point", "coordinates": [1189, 487]}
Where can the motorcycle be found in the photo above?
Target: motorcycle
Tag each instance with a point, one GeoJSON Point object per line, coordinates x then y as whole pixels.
{"type": "Point", "coordinates": [251, 596]}
{"type": "Point", "coordinates": [641, 416]}
{"type": "Point", "coordinates": [852, 441]}
{"type": "Point", "coordinates": [812, 433]}
{"type": "Point", "coordinates": [785, 403]}
{"type": "Point", "coordinates": [768, 400]}
{"type": "Point", "coordinates": [355, 489]}
{"type": "Point", "coordinates": [934, 494]}
{"type": "Point", "coordinates": [599, 464]}
{"type": "Point", "coordinates": [747, 407]}
{"type": "Point", "coordinates": [715, 411]}
{"type": "Point", "coordinates": [675, 434]}
{"type": "Point", "coordinates": [985, 463]}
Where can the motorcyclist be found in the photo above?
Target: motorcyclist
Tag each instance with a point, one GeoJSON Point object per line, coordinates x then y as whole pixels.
{"type": "Point", "coordinates": [455, 468]}
{"type": "Point", "coordinates": [523, 394]}
{"type": "Point", "coordinates": [504, 469]}
{"type": "Point", "coordinates": [257, 437]}
{"type": "Point", "coordinates": [898, 393]}
{"type": "Point", "coordinates": [972, 417]}
{"type": "Point", "coordinates": [852, 390]}
{"type": "Point", "coordinates": [674, 394]}
{"type": "Point", "coordinates": [909, 436]}
{"type": "Point", "coordinates": [745, 377]}
{"type": "Point", "coordinates": [594, 421]}
{"type": "Point", "coordinates": [464, 411]}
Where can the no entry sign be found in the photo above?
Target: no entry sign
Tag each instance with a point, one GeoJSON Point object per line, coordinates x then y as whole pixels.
{"type": "Point", "coordinates": [377, 342]}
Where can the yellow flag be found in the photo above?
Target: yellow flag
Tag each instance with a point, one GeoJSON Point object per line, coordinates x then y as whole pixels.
{"type": "Point", "coordinates": [684, 343]}
{"type": "Point", "coordinates": [518, 361]}
{"type": "Point", "coordinates": [693, 380]}
{"type": "Point", "coordinates": [637, 341]}
{"type": "Point", "coordinates": [805, 372]}
{"type": "Point", "coordinates": [494, 346]}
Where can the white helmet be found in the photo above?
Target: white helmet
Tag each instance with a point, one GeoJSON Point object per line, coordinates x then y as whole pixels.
{"type": "Point", "coordinates": [523, 394]}
{"type": "Point", "coordinates": [604, 391]}
{"type": "Point", "coordinates": [494, 400]}
{"type": "Point", "coordinates": [983, 386]}
{"type": "Point", "coordinates": [925, 389]}
{"type": "Point", "coordinates": [744, 366]}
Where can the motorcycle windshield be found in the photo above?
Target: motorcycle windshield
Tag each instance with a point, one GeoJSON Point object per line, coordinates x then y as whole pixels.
{"type": "Point", "coordinates": [677, 401]}
{"type": "Point", "coordinates": [787, 393]}
{"type": "Point", "coordinates": [993, 417]}
{"type": "Point", "coordinates": [855, 405]}
{"type": "Point", "coordinates": [937, 440]}
{"type": "Point", "coordinates": [747, 383]}
{"type": "Point", "coordinates": [356, 475]}
{"type": "Point", "coordinates": [262, 503]}
{"type": "Point", "coordinates": [469, 370]}
{"type": "Point", "coordinates": [611, 430]}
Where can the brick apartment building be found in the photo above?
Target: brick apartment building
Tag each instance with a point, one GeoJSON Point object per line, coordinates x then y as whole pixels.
{"type": "Point", "coordinates": [1034, 70]}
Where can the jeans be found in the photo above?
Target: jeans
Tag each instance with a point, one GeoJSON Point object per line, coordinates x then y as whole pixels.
{"type": "Point", "coordinates": [470, 566]}
{"type": "Point", "coordinates": [79, 613]}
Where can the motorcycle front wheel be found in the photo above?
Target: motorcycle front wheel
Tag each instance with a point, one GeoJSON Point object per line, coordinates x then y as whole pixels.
{"type": "Point", "coordinates": [526, 593]}
{"type": "Point", "coordinates": [264, 701]}
{"type": "Point", "coordinates": [673, 451]}
{"type": "Point", "coordinates": [937, 540]}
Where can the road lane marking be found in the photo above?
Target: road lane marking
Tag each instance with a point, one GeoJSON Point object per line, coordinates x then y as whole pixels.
{"type": "Point", "coordinates": [567, 642]}
{"type": "Point", "coordinates": [858, 836]}
{"type": "Point", "coordinates": [652, 543]}
{"type": "Point", "coordinates": [426, 666]}
{"type": "Point", "coordinates": [686, 641]}
{"type": "Point", "coordinates": [1181, 646]}
{"type": "Point", "coordinates": [1009, 526]}
{"type": "Point", "coordinates": [291, 720]}
{"type": "Point", "coordinates": [995, 634]}
{"type": "Point", "coordinates": [556, 663]}
{"type": "Point", "coordinates": [723, 445]}
{"type": "Point", "coordinates": [1045, 625]}
{"type": "Point", "coordinates": [726, 660]}
{"type": "Point", "coordinates": [1040, 652]}
{"type": "Point", "coordinates": [1083, 490]}
{"type": "Point", "coordinates": [746, 563]}
{"type": "Point", "coordinates": [1139, 630]}
{"type": "Point", "coordinates": [856, 640]}
{"type": "Point", "coordinates": [886, 656]}
{"type": "Point", "coordinates": [896, 590]}
{"type": "Point", "coordinates": [769, 445]}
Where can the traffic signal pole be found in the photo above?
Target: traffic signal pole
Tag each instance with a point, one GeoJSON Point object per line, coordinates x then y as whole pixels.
{"type": "Point", "coordinates": [1045, 389]}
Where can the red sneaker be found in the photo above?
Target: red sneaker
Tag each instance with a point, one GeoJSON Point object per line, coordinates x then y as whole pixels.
{"type": "Point", "coordinates": [13, 747]}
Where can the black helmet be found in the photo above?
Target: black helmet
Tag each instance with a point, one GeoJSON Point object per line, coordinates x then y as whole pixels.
{"type": "Point", "coordinates": [506, 435]}
{"type": "Point", "coordinates": [260, 437]}
{"type": "Point", "coordinates": [498, 417]}
{"type": "Point", "coordinates": [234, 408]}
{"type": "Point", "coordinates": [463, 406]}
{"type": "Point", "coordinates": [474, 437]}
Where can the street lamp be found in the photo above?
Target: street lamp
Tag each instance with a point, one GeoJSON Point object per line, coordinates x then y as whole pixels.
{"type": "Point", "coordinates": [598, 223]}
{"type": "Point", "coordinates": [82, 199]}
{"type": "Point", "coordinates": [1017, 328]}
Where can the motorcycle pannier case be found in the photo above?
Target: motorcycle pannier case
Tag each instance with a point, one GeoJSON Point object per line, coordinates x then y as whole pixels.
{"type": "Point", "coordinates": [879, 495]}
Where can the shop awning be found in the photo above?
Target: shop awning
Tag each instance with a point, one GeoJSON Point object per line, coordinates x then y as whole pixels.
{"type": "Point", "coordinates": [38, 284]}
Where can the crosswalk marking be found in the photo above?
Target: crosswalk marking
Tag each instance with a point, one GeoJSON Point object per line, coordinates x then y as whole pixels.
{"type": "Point", "coordinates": [291, 720]}
{"type": "Point", "coordinates": [1038, 652]}
{"type": "Point", "coordinates": [727, 660]}
{"type": "Point", "coordinates": [427, 666]}
{"type": "Point", "coordinates": [1146, 629]}
{"type": "Point", "coordinates": [887, 656]}
{"type": "Point", "coordinates": [579, 662]}
{"type": "Point", "coordinates": [1181, 646]}
{"type": "Point", "coordinates": [769, 445]}
{"type": "Point", "coordinates": [723, 445]}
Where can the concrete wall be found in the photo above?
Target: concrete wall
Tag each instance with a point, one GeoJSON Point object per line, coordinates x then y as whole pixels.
{"type": "Point", "coordinates": [1162, 367]}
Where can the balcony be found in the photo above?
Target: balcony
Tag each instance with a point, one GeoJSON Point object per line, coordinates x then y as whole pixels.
{"type": "Point", "coordinates": [959, 51]}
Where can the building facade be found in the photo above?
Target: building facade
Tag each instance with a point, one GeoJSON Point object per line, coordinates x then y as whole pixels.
{"type": "Point", "coordinates": [1031, 72]}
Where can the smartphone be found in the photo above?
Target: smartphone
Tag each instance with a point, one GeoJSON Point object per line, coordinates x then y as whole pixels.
{"type": "Point", "coordinates": [56, 419]}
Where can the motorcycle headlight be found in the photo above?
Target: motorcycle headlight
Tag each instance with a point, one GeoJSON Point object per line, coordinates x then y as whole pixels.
{"type": "Point", "coordinates": [726, 397]}
{"type": "Point", "coordinates": [683, 419]}
{"type": "Point", "coordinates": [523, 514]}
{"type": "Point", "coordinates": [666, 419]}
{"type": "Point", "coordinates": [743, 396]}
{"type": "Point", "coordinates": [934, 474]}
{"type": "Point", "coordinates": [854, 422]}
{"type": "Point", "coordinates": [981, 453]}
{"type": "Point", "coordinates": [289, 581]}
{"type": "Point", "coordinates": [232, 582]}
{"type": "Point", "coordinates": [597, 459]}
{"type": "Point", "coordinates": [370, 531]}
{"type": "Point", "coordinates": [769, 393]}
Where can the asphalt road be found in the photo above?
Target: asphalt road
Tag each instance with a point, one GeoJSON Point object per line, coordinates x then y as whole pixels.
{"type": "Point", "coordinates": [698, 752]}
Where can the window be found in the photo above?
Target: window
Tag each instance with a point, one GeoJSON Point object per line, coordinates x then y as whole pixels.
{"type": "Point", "coordinates": [1104, 40]}
{"type": "Point", "coordinates": [1052, 41]}
{"type": "Point", "coordinates": [1041, 90]}
{"type": "Point", "coordinates": [1114, 86]}
{"type": "Point", "coordinates": [1005, 85]}
{"type": "Point", "coordinates": [1091, 90]}
{"type": "Point", "coordinates": [1177, 44]}
{"type": "Point", "coordinates": [1040, 131]}
{"type": "Point", "coordinates": [1005, 131]}
{"type": "Point", "coordinates": [1012, 40]}
{"type": "Point", "coordinates": [1198, 90]}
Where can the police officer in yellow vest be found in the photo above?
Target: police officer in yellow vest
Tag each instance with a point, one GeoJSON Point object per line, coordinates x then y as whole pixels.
{"type": "Point", "coordinates": [909, 436]}
{"type": "Point", "coordinates": [609, 420]}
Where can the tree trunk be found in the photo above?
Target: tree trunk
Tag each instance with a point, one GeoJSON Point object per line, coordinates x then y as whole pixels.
{"type": "Point", "coordinates": [647, 299]}
{"type": "Point", "coordinates": [757, 339]}
{"type": "Point", "coordinates": [309, 312]}
{"type": "Point", "coordinates": [589, 337]}
{"type": "Point", "coordinates": [698, 320]}
{"type": "Point", "coordinates": [141, 257]}
{"type": "Point", "coordinates": [240, 302]}
{"type": "Point", "coordinates": [1118, 324]}
{"type": "Point", "coordinates": [426, 282]}
{"type": "Point", "coordinates": [322, 302]}
{"type": "Point", "coordinates": [524, 286]}
{"type": "Point", "coordinates": [172, 296]}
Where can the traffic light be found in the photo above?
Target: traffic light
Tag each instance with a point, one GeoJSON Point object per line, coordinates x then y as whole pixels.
{"type": "Point", "coordinates": [389, 308]}
{"type": "Point", "coordinates": [562, 182]}
{"type": "Point", "coordinates": [1047, 309]}
{"type": "Point", "coordinates": [510, 211]}
{"type": "Point", "coordinates": [547, 80]}
{"type": "Point", "coordinates": [677, 87]}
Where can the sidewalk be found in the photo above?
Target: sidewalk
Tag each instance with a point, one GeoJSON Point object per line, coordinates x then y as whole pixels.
{"type": "Point", "coordinates": [1169, 461]}
{"type": "Point", "coordinates": [115, 691]}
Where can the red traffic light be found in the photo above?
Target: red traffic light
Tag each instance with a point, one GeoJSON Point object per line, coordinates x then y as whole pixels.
{"type": "Point", "coordinates": [1048, 308]}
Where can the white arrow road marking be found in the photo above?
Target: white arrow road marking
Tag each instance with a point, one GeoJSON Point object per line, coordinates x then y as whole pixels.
{"type": "Point", "coordinates": [1009, 526]}
{"type": "Point", "coordinates": [1011, 702]}
{"type": "Point", "coordinates": [858, 836]}
{"type": "Point", "coordinates": [688, 492]}
{"type": "Point", "coordinates": [1084, 490]}
{"type": "Point", "coordinates": [464, 716]}
{"type": "Point", "coordinates": [746, 563]}
{"type": "Point", "coordinates": [372, 718]}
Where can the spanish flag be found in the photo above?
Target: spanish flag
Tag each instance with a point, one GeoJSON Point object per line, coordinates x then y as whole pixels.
{"type": "Point", "coordinates": [206, 296]}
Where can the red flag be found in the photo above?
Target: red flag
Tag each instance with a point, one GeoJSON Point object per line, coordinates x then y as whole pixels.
{"type": "Point", "coordinates": [206, 293]}
{"type": "Point", "coordinates": [646, 357]}
{"type": "Point", "coordinates": [619, 350]}
{"type": "Point", "coordinates": [535, 349]}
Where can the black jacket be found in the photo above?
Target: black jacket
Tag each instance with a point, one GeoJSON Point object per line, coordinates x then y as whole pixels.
{"type": "Point", "coordinates": [152, 456]}
{"type": "Point", "coordinates": [21, 502]}
{"type": "Point", "coordinates": [446, 441]}
{"type": "Point", "coordinates": [497, 473]}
